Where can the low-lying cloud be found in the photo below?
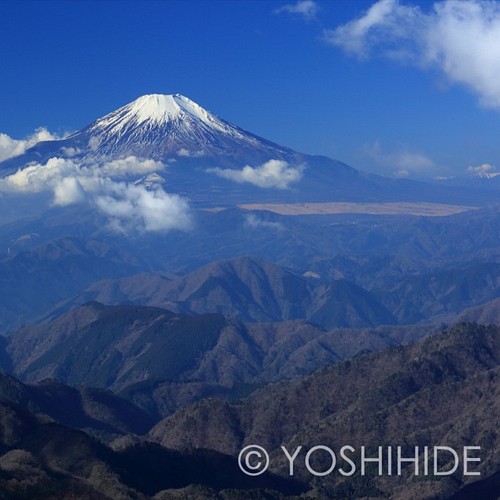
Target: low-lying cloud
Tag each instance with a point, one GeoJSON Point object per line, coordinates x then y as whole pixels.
{"type": "Point", "coordinates": [10, 147]}
{"type": "Point", "coordinates": [128, 206]}
{"type": "Point", "coordinates": [130, 166]}
{"type": "Point", "coordinates": [271, 174]}
{"type": "Point", "coordinates": [131, 206]}
{"type": "Point", "coordinates": [458, 38]}
{"type": "Point", "coordinates": [254, 222]}
{"type": "Point", "coordinates": [183, 152]}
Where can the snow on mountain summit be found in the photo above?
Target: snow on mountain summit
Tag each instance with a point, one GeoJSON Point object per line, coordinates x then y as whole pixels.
{"type": "Point", "coordinates": [159, 109]}
{"type": "Point", "coordinates": [158, 125]}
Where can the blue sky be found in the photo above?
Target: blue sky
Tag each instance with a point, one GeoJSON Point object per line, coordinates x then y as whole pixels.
{"type": "Point", "coordinates": [398, 88]}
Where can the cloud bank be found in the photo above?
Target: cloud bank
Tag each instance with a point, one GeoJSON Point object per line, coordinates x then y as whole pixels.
{"type": "Point", "coordinates": [271, 174]}
{"type": "Point", "coordinates": [306, 8]}
{"type": "Point", "coordinates": [128, 206]}
{"type": "Point", "coordinates": [458, 38]}
{"type": "Point", "coordinates": [10, 147]}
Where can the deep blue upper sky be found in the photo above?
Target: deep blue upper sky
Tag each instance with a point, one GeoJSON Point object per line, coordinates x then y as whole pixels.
{"type": "Point", "coordinates": [396, 96]}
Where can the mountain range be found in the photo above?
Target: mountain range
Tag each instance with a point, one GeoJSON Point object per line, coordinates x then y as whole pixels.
{"type": "Point", "coordinates": [142, 350]}
{"type": "Point", "coordinates": [251, 290]}
{"type": "Point", "coordinates": [173, 287]}
{"type": "Point", "coordinates": [444, 389]}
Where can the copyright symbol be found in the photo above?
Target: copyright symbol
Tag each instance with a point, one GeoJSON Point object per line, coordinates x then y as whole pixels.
{"type": "Point", "coordinates": [253, 460]}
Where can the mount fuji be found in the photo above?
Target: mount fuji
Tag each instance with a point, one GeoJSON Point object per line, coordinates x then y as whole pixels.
{"type": "Point", "coordinates": [215, 163]}
{"type": "Point", "coordinates": [161, 127]}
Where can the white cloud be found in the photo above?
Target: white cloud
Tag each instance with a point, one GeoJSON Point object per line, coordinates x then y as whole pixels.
{"type": "Point", "coordinates": [271, 174]}
{"type": "Point", "coordinates": [459, 38]}
{"type": "Point", "coordinates": [94, 142]}
{"type": "Point", "coordinates": [38, 178]}
{"type": "Point", "coordinates": [401, 162]}
{"type": "Point", "coordinates": [128, 206]}
{"type": "Point", "coordinates": [485, 170]}
{"type": "Point", "coordinates": [254, 222]}
{"type": "Point", "coordinates": [379, 28]}
{"type": "Point", "coordinates": [190, 154]}
{"type": "Point", "coordinates": [481, 169]}
{"type": "Point", "coordinates": [10, 147]}
{"type": "Point", "coordinates": [401, 173]}
{"type": "Point", "coordinates": [130, 166]}
{"type": "Point", "coordinates": [132, 206]}
{"type": "Point", "coordinates": [306, 8]}
{"type": "Point", "coordinates": [69, 151]}
{"type": "Point", "coordinates": [67, 191]}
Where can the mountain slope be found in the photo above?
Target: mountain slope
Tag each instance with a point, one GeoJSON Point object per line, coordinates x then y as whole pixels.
{"type": "Point", "coordinates": [45, 460]}
{"type": "Point", "coordinates": [96, 411]}
{"type": "Point", "coordinates": [161, 360]}
{"type": "Point", "coordinates": [250, 289]}
{"type": "Point", "coordinates": [445, 389]}
{"type": "Point", "coordinates": [156, 125]}
{"type": "Point", "coordinates": [443, 292]}
{"type": "Point", "coordinates": [486, 314]}
{"type": "Point", "coordinates": [113, 346]}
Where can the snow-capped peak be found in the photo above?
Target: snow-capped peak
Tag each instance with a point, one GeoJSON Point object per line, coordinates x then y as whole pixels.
{"type": "Point", "coordinates": [155, 107]}
{"type": "Point", "coordinates": [166, 127]}
{"type": "Point", "coordinates": [162, 108]}
{"type": "Point", "coordinates": [154, 110]}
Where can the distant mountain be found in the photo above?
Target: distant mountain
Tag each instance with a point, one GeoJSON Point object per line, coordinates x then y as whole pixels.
{"type": "Point", "coordinates": [393, 258]}
{"type": "Point", "coordinates": [250, 289]}
{"type": "Point", "coordinates": [34, 280]}
{"type": "Point", "coordinates": [442, 292]}
{"type": "Point", "coordinates": [247, 288]}
{"type": "Point", "coordinates": [486, 178]}
{"type": "Point", "coordinates": [441, 391]}
{"type": "Point", "coordinates": [249, 356]}
{"type": "Point", "coordinates": [178, 132]}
